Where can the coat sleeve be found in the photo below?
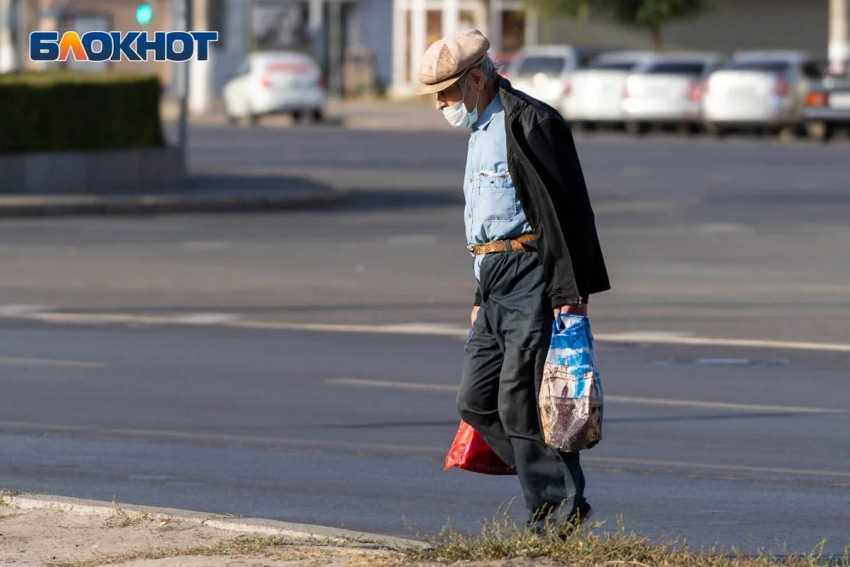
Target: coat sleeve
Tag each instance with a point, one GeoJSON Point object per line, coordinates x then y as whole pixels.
{"type": "Point", "coordinates": [552, 147]}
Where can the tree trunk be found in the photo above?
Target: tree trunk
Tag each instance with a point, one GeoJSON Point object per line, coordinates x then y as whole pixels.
{"type": "Point", "coordinates": [655, 35]}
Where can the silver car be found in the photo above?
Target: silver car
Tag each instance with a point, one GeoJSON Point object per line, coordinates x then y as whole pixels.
{"type": "Point", "coordinates": [543, 71]}
{"type": "Point", "coordinates": [759, 89]}
{"type": "Point", "coordinates": [594, 95]}
{"type": "Point", "coordinates": [827, 107]}
{"type": "Point", "coordinates": [666, 90]}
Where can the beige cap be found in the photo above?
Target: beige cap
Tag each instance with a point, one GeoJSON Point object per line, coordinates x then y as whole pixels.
{"type": "Point", "coordinates": [447, 59]}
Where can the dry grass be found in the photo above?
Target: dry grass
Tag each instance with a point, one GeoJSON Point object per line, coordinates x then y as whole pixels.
{"type": "Point", "coordinates": [123, 519]}
{"type": "Point", "coordinates": [266, 546]}
{"type": "Point", "coordinates": [502, 540]}
{"type": "Point", "coordinates": [5, 495]}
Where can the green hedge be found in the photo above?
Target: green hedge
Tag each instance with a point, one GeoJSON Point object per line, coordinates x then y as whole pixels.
{"type": "Point", "coordinates": [66, 111]}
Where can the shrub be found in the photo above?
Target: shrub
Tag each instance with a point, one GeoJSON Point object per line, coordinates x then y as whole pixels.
{"type": "Point", "coordinates": [67, 111]}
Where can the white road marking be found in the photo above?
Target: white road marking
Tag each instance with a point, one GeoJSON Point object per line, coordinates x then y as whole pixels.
{"type": "Point", "coordinates": [716, 466]}
{"type": "Point", "coordinates": [430, 329]}
{"type": "Point", "coordinates": [15, 310]}
{"type": "Point", "coordinates": [615, 399]}
{"type": "Point", "coordinates": [709, 341]}
{"type": "Point", "coordinates": [207, 245]}
{"type": "Point", "coordinates": [314, 444]}
{"type": "Point", "coordinates": [206, 319]}
{"type": "Point", "coordinates": [23, 361]}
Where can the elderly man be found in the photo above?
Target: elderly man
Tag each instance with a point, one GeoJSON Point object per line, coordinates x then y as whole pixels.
{"type": "Point", "coordinates": [531, 230]}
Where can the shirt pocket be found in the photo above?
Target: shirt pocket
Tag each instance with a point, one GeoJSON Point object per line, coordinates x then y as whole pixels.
{"type": "Point", "coordinates": [496, 198]}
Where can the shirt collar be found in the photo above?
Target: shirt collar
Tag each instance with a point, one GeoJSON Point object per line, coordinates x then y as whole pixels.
{"type": "Point", "coordinates": [492, 109]}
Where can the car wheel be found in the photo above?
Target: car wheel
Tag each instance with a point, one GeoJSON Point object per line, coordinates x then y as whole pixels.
{"type": "Point", "coordinates": [821, 131]}
{"type": "Point", "coordinates": [317, 115]}
{"type": "Point", "coordinates": [297, 116]}
{"type": "Point", "coordinates": [690, 129]}
{"type": "Point", "coordinates": [583, 126]}
{"type": "Point", "coordinates": [637, 128]}
{"type": "Point", "coordinates": [716, 130]}
{"type": "Point", "coordinates": [254, 119]}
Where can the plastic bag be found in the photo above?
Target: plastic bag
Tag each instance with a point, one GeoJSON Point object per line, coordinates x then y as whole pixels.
{"type": "Point", "coordinates": [571, 399]}
{"type": "Point", "coordinates": [471, 453]}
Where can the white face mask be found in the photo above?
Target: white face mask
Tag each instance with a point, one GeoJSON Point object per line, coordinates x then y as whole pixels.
{"type": "Point", "coordinates": [458, 116]}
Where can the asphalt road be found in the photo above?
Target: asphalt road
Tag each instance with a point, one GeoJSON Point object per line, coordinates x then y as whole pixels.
{"type": "Point", "coordinates": [744, 447]}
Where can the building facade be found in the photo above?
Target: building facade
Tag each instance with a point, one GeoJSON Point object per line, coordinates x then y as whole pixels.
{"type": "Point", "coordinates": [821, 27]}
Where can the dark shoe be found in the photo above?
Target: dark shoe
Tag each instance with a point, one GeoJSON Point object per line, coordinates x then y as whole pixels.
{"type": "Point", "coordinates": [576, 521]}
{"type": "Point", "coordinates": [564, 530]}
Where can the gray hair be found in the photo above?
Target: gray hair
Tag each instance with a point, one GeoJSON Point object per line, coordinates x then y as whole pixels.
{"type": "Point", "coordinates": [488, 68]}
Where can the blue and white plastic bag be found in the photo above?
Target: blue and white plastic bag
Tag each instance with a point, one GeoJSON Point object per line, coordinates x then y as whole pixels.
{"type": "Point", "coordinates": [571, 399]}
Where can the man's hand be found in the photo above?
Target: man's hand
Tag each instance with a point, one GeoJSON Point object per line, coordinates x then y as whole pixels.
{"type": "Point", "coordinates": [474, 315]}
{"type": "Point", "coordinates": [572, 310]}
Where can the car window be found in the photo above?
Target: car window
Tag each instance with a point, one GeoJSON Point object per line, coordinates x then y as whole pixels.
{"type": "Point", "coordinates": [676, 68]}
{"type": "Point", "coordinates": [613, 65]}
{"type": "Point", "coordinates": [765, 66]}
{"type": "Point", "coordinates": [549, 66]}
{"type": "Point", "coordinates": [812, 70]}
{"type": "Point", "coordinates": [289, 67]}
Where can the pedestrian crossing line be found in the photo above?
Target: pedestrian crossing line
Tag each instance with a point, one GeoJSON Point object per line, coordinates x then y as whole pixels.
{"type": "Point", "coordinates": [23, 361]}
{"type": "Point", "coordinates": [615, 399]}
{"type": "Point", "coordinates": [231, 321]}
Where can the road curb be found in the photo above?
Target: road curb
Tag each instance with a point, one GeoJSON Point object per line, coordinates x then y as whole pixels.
{"type": "Point", "coordinates": [223, 202]}
{"type": "Point", "coordinates": [239, 526]}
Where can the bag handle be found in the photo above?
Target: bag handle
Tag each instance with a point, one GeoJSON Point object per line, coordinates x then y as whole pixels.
{"type": "Point", "coordinates": [558, 325]}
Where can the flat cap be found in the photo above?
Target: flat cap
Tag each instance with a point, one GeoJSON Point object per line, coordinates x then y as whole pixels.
{"type": "Point", "coordinates": [447, 59]}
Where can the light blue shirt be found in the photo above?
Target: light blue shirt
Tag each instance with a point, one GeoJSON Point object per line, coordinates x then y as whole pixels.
{"type": "Point", "coordinates": [492, 210]}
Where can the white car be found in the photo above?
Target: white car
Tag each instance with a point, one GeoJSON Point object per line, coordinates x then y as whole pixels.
{"type": "Point", "coordinates": [594, 95]}
{"type": "Point", "coordinates": [274, 83]}
{"type": "Point", "coordinates": [666, 90]}
{"type": "Point", "coordinates": [759, 89]}
{"type": "Point", "coordinates": [543, 71]}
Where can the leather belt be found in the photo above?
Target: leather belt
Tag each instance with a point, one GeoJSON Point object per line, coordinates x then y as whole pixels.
{"type": "Point", "coordinates": [511, 244]}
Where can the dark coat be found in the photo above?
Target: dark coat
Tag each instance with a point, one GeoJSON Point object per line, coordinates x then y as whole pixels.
{"type": "Point", "coordinates": [549, 183]}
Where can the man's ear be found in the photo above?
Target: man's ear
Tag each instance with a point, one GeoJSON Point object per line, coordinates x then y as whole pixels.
{"type": "Point", "coordinates": [477, 78]}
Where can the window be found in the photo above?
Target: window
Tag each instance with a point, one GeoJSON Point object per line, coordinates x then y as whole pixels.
{"type": "Point", "coordinates": [549, 66]}
{"type": "Point", "coordinates": [812, 70]}
{"type": "Point", "coordinates": [764, 66]}
{"type": "Point", "coordinates": [676, 68]}
{"type": "Point", "coordinates": [613, 65]}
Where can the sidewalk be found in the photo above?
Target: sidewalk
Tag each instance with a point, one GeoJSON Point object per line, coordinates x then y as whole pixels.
{"type": "Point", "coordinates": [203, 193]}
{"type": "Point", "coordinates": [408, 115]}
{"type": "Point", "coordinates": [66, 532]}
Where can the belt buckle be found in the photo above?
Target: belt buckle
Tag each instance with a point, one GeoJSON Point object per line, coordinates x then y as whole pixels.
{"type": "Point", "coordinates": [471, 250]}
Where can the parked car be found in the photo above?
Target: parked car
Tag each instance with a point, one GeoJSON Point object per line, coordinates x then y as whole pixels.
{"type": "Point", "coordinates": [543, 71]}
{"type": "Point", "coordinates": [594, 95]}
{"type": "Point", "coordinates": [827, 107]}
{"type": "Point", "coordinates": [759, 89]}
{"type": "Point", "coordinates": [503, 62]}
{"type": "Point", "coordinates": [666, 90]}
{"type": "Point", "coordinates": [274, 83]}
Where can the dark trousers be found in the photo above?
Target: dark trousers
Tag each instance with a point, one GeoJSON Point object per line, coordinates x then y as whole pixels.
{"type": "Point", "coordinates": [502, 371]}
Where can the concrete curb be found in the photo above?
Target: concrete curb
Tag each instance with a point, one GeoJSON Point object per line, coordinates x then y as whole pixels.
{"type": "Point", "coordinates": [214, 202]}
{"type": "Point", "coordinates": [239, 526]}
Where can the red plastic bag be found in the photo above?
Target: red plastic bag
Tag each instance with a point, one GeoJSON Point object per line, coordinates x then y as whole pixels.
{"type": "Point", "coordinates": [471, 453]}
